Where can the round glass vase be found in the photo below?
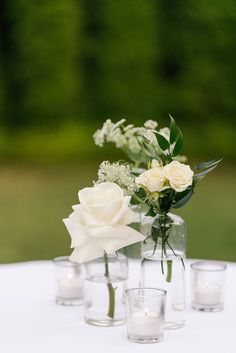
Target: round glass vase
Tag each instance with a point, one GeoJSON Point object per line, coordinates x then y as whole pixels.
{"type": "Point", "coordinates": [163, 258]}
{"type": "Point", "coordinates": [104, 290]}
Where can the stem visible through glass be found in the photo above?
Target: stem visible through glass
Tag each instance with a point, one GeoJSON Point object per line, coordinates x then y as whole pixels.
{"type": "Point", "coordinates": [164, 234]}
{"type": "Point", "coordinates": [111, 290]}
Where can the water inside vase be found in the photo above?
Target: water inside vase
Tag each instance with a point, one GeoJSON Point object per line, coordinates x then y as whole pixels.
{"type": "Point", "coordinates": [168, 274]}
{"type": "Point", "coordinates": [96, 300]}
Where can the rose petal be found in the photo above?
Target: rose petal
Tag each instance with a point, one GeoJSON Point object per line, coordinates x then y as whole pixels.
{"type": "Point", "coordinates": [117, 237]}
{"type": "Point", "coordinates": [87, 217]}
{"type": "Point", "coordinates": [77, 232]}
{"type": "Point", "coordinates": [129, 217]}
{"type": "Point", "coordinates": [103, 201]}
{"type": "Point", "coordinates": [86, 253]}
{"type": "Point", "coordinates": [105, 213]}
{"type": "Point", "coordinates": [100, 194]}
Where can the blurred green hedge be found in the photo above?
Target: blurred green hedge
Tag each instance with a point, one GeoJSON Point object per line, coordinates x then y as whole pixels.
{"type": "Point", "coordinates": [66, 65]}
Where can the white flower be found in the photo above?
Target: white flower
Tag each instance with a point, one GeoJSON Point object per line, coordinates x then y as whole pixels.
{"type": "Point", "coordinates": [100, 222]}
{"type": "Point", "coordinates": [110, 132]}
{"type": "Point", "coordinates": [152, 179]}
{"type": "Point", "coordinates": [165, 132]}
{"type": "Point", "coordinates": [133, 145]}
{"type": "Point", "coordinates": [179, 175]}
{"type": "Point", "coordinates": [156, 164]}
{"type": "Point", "coordinates": [119, 174]}
{"type": "Point", "coordinates": [150, 124]}
{"type": "Point", "coordinates": [149, 135]}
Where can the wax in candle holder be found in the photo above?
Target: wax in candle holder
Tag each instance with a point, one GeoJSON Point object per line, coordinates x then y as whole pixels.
{"type": "Point", "coordinates": [145, 314]}
{"type": "Point", "coordinates": [69, 281]}
{"type": "Point", "coordinates": [208, 285]}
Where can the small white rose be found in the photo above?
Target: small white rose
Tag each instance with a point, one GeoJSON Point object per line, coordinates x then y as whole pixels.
{"type": "Point", "coordinates": [152, 179]}
{"type": "Point", "coordinates": [179, 175]}
{"type": "Point", "coordinates": [156, 164]}
{"type": "Point", "coordinates": [100, 222]}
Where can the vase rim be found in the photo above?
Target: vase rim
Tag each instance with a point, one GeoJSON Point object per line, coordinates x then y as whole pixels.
{"type": "Point", "coordinates": [209, 266]}
{"type": "Point", "coordinates": [162, 292]}
{"type": "Point", "coordinates": [65, 261]}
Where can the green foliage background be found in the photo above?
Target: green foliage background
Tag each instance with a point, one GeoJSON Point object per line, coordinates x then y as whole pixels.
{"type": "Point", "coordinates": [67, 65]}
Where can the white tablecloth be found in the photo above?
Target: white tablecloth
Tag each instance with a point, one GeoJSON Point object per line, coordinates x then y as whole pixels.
{"type": "Point", "coordinates": [30, 321]}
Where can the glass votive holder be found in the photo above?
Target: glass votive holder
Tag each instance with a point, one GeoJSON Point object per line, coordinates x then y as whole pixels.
{"type": "Point", "coordinates": [145, 314]}
{"type": "Point", "coordinates": [69, 281]}
{"type": "Point", "coordinates": [208, 285]}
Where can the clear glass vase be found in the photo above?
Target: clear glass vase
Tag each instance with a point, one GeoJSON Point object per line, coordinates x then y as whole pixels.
{"type": "Point", "coordinates": [104, 291]}
{"type": "Point", "coordinates": [163, 257]}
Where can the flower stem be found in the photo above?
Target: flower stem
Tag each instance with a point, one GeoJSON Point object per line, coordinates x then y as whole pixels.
{"type": "Point", "coordinates": [111, 290]}
{"type": "Point", "coordinates": [165, 236]}
{"type": "Point", "coordinates": [169, 271]}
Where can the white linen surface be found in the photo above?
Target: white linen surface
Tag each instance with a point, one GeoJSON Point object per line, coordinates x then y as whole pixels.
{"type": "Point", "coordinates": [31, 322]}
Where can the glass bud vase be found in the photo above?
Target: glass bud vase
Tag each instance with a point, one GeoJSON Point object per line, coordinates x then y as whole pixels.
{"type": "Point", "coordinates": [104, 293]}
{"type": "Point", "coordinates": [163, 258]}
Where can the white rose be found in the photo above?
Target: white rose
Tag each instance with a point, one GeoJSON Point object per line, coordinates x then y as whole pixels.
{"type": "Point", "coordinates": [100, 222]}
{"type": "Point", "coordinates": [179, 175]}
{"type": "Point", "coordinates": [152, 179]}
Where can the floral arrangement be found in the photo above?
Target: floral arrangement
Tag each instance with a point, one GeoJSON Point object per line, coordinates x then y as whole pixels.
{"type": "Point", "coordinates": [164, 180]}
{"type": "Point", "coordinates": [156, 178]}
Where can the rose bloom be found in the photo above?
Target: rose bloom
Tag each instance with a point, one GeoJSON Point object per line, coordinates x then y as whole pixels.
{"type": "Point", "coordinates": [156, 164]}
{"type": "Point", "coordinates": [152, 179]}
{"type": "Point", "coordinates": [100, 222]}
{"type": "Point", "coordinates": [179, 175]}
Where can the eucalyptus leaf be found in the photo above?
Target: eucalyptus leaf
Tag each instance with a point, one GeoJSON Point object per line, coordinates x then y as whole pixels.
{"type": "Point", "coordinates": [206, 171]}
{"type": "Point", "coordinates": [206, 165]}
{"type": "Point", "coordinates": [182, 194]}
{"type": "Point", "coordinates": [182, 201]}
{"type": "Point", "coordinates": [173, 130]}
{"type": "Point", "coordinates": [204, 168]}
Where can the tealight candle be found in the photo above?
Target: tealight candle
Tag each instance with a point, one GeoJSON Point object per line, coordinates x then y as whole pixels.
{"type": "Point", "coordinates": [69, 288]}
{"type": "Point", "coordinates": [208, 294]}
{"type": "Point", "coordinates": [145, 314]}
{"type": "Point", "coordinates": [144, 324]}
{"type": "Point", "coordinates": [69, 281]}
{"type": "Point", "coordinates": [208, 281]}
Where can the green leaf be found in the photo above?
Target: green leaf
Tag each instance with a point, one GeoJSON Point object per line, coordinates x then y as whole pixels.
{"type": "Point", "coordinates": [182, 198]}
{"type": "Point", "coordinates": [151, 212]}
{"type": "Point", "coordinates": [206, 167]}
{"type": "Point", "coordinates": [173, 130]}
{"type": "Point", "coordinates": [162, 142]}
{"type": "Point", "coordinates": [147, 147]}
{"type": "Point", "coordinates": [166, 201]}
{"type": "Point", "coordinates": [150, 149]}
{"type": "Point", "coordinates": [178, 145]}
{"type": "Point", "coordinates": [138, 197]}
